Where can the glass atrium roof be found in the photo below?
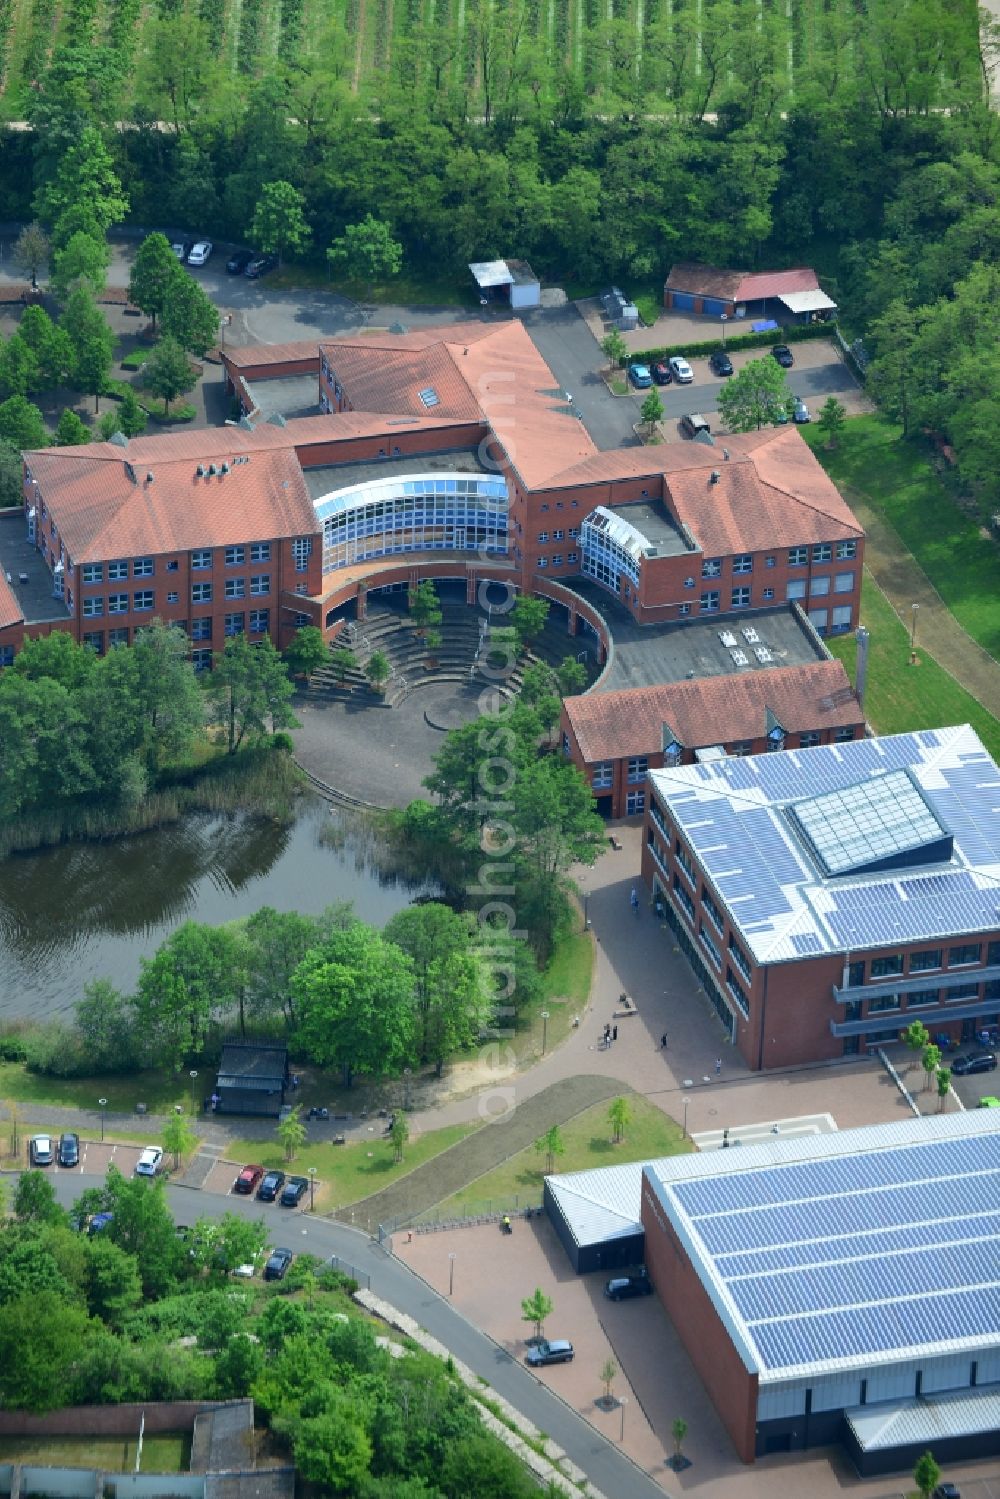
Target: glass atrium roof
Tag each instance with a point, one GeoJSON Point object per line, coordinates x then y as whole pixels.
{"type": "Point", "coordinates": [873, 825]}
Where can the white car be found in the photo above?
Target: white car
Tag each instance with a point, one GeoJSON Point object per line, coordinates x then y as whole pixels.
{"type": "Point", "coordinates": [148, 1163]}
{"type": "Point", "coordinates": [681, 370]}
{"type": "Point", "coordinates": [200, 252]}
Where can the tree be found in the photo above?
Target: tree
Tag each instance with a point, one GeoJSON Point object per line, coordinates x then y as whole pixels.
{"type": "Point", "coordinates": [22, 424]}
{"type": "Point", "coordinates": [535, 1309]}
{"type": "Point", "coordinates": [31, 251]}
{"type": "Point", "coordinates": [11, 474]}
{"type": "Point", "coordinates": [332, 1449]}
{"type": "Point", "coordinates": [112, 1283]}
{"type": "Point", "coordinates": [652, 409]}
{"type": "Point", "coordinates": [615, 349]}
{"type": "Point", "coordinates": [399, 1134]}
{"type": "Point", "coordinates": [91, 341]}
{"type": "Point", "coordinates": [930, 1060]}
{"type": "Point", "coordinates": [154, 275]}
{"type": "Point", "coordinates": [619, 1117]}
{"type": "Point", "coordinates": [571, 675]}
{"type": "Point", "coordinates": [916, 1036]}
{"type": "Point", "coordinates": [306, 652]}
{"type": "Point", "coordinates": [178, 1137]}
{"type": "Point", "coordinates": [678, 1430]}
{"type": "Point", "coordinates": [926, 1475]}
{"type": "Point", "coordinates": [279, 223]}
{"type": "Point", "coordinates": [42, 1340]}
{"type": "Point", "coordinates": [195, 976]}
{"type": "Point", "coordinates": [18, 367]}
{"type": "Point", "coordinates": [425, 607]}
{"type": "Point", "coordinates": [378, 670]}
{"type": "Point", "coordinates": [164, 693]}
{"type": "Point", "coordinates": [128, 418]}
{"type": "Point", "coordinates": [85, 176]}
{"type": "Point", "coordinates": [168, 372]}
{"type": "Point", "coordinates": [291, 1133]}
{"type": "Point", "coordinates": [35, 1199]}
{"type": "Point", "coordinates": [528, 618]}
{"type": "Point", "coordinates": [342, 659]}
{"type": "Point", "coordinates": [831, 419]}
{"type": "Point", "coordinates": [104, 1020]}
{"type": "Point", "coordinates": [943, 1078]}
{"type": "Point", "coordinates": [71, 431]}
{"type": "Point", "coordinates": [230, 1242]}
{"type": "Point", "coordinates": [249, 691]}
{"type": "Point", "coordinates": [82, 261]}
{"type": "Point", "coordinates": [189, 316]}
{"type": "Point", "coordinates": [609, 1373]}
{"type": "Point", "coordinates": [50, 346]}
{"type": "Point", "coordinates": [754, 396]}
{"type": "Point", "coordinates": [367, 252]}
{"type": "Point", "coordinates": [552, 1145]}
{"type": "Point", "coordinates": [452, 996]}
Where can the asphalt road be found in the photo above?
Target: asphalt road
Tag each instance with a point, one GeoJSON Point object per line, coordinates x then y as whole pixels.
{"type": "Point", "coordinates": [570, 350]}
{"type": "Point", "coordinates": [614, 1475]}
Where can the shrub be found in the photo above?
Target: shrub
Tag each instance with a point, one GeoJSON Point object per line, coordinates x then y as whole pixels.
{"type": "Point", "coordinates": [179, 414]}
{"type": "Point", "coordinates": [794, 335]}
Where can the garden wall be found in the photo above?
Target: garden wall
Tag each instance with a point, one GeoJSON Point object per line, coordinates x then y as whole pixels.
{"type": "Point", "coordinates": [108, 1420]}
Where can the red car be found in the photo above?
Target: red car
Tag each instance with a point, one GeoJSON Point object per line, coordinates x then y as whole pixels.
{"type": "Point", "coordinates": [248, 1179]}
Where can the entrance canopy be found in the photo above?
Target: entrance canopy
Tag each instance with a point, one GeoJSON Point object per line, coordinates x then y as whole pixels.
{"type": "Point", "coordinates": [490, 273]}
{"type": "Point", "coordinates": [807, 301]}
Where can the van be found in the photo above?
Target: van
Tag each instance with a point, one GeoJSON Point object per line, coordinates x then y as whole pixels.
{"type": "Point", "coordinates": [694, 423]}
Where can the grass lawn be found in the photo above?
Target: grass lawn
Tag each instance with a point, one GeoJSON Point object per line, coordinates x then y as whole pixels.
{"type": "Point", "coordinates": [350, 1172]}
{"type": "Point", "coordinates": [564, 994]}
{"type": "Point", "coordinates": [410, 290]}
{"type": "Point", "coordinates": [897, 480]}
{"type": "Point", "coordinates": [901, 697]}
{"type": "Point", "coordinates": [167, 1453]}
{"type": "Point", "coordinates": [588, 1143]}
{"type": "Point", "coordinates": [159, 1091]}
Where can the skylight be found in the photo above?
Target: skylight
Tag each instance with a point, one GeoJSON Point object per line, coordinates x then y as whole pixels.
{"type": "Point", "coordinates": [429, 396]}
{"type": "Point", "coordinates": [882, 823]}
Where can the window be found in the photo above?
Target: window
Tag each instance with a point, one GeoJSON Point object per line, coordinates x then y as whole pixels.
{"type": "Point", "coordinates": [173, 566]}
{"type": "Point", "coordinates": [684, 860]}
{"type": "Point", "coordinates": [684, 610]}
{"type": "Point", "coordinates": [637, 768]}
{"type": "Point", "coordinates": [741, 960]}
{"type": "Point", "coordinates": [173, 598]}
{"type": "Point", "coordinates": [741, 598]}
{"type": "Point", "coordinates": [922, 997]}
{"type": "Point", "coordinates": [843, 735]}
{"type": "Point", "coordinates": [741, 748]}
{"type": "Point", "coordinates": [545, 507]}
{"type": "Point", "coordinates": [201, 593]}
{"type": "Point", "coordinates": [234, 624]}
{"type": "Point", "coordinates": [743, 563]}
{"type": "Point", "coordinates": [302, 588]}
{"type": "Point", "coordinates": [302, 619]}
{"type": "Point", "coordinates": [558, 535]}
{"type": "Point", "coordinates": [142, 567]}
{"type": "Point", "coordinates": [808, 739]}
{"type": "Point", "coordinates": [711, 567]}
{"type": "Point", "coordinates": [735, 989]}
{"type": "Point", "coordinates": [925, 962]}
{"type": "Point", "coordinates": [200, 561]}
{"type": "Point", "coordinates": [542, 562]}
{"type": "Point", "coordinates": [572, 558]}
{"type": "Point", "coordinates": [819, 587]}
{"type": "Point", "coordinates": [843, 583]}
{"type": "Point", "coordinates": [236, 588]}
{"type": "Point", "coordinates": [822, 551]}
{"type": "Point", "coordinates": [708, 943]}
{"type": "Point", "coordinates": [117, 571]}
{"type": "Point", "coordinates": [260, 551]}
{"type": "Point", "coordinates": [557, 560]}
{"type": "Point", "coordinates": [235, 556]}
{"type": "Point", "coordinates": [603, 772]}
{"type": "Point", "coordinates": [574, 532]}
{"type": "Point", "coordinates": [710, 602]}
{"type": "Point", "coordinates": [993, 953]}
{"type": "Point", "coordinates": [769, 561]}
{"type": "Point", "coordinates": [301, 552]}
{"type": "Point", "coordinates": [93, 572]}
{"type": "Point", "coordinates": [841, 618]}
{"type": "Point", "coordinates": [795, 588]}
{"type": "Point", "coordinates": [201, 629]}
{"type": "Point", "coordinates": [543, 536]}
{"type": "Point", "coordinates": [260, 621]}
{"type": "Point", "coordinates": [962, 991]}
{"type": "Point", "coordinates": [201, 660]}
{"type": "Point", "coordinates": [768, 593]}
{"type": "Point", "coordinates": [711, 909]}
{"type": "Point", "coordinates": [968, 952]}
{"type": "Point", "coordinates": [142, 600]}
{"type": "Point", "coordinates": [92, 607]}
{"type": "Point", "coordinates": [260, 583]}
{"type": "Point", "coordinates": [635, 802]}
{"type": "Point", "coordinates": [117, 637]}
{"type": "Point", "coordinates": [117, 603]}
{"type": "Point", "coordinates": [878, 1006]}
{"type": "Point", "coordinates": [798, 556]}
{"type": "Point", "coordinates": [888, 967]}
{"type": "Point", "coordinates": [855, 975]}
{"type": "Point", "coordinates": [818, 618]}
{"type": "Point", "coordinates": [846, 550]}
{"type": "Point", "coordinates": [95, 641]}
{"type": "Point", "coordinates": [684, 900]}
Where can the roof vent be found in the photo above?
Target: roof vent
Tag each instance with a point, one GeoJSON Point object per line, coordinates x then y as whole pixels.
{"type": "Point", "coordinates": [224, 469]}
{"type": "Point", "coordinates": [200, 471]}
{"type": "Point", "coordinates": [689, 675]}
{"type": "Point", "coordinates": [149, 476]}
{"type": "Point", "coordinates": [725, 454]}
{"type": "Point", "coordinates": [714, 476]}
{"type": "Point", "coordinates": [212, 470]}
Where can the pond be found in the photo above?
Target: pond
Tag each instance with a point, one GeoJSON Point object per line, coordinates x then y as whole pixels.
{"type": "Point", "coordinates": [92, 910]}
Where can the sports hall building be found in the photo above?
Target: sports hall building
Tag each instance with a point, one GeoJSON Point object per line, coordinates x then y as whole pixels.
{"type": "Point", "coordinates": [830, 1288]}
{"type": "Point", "coordinates": [827, 897]}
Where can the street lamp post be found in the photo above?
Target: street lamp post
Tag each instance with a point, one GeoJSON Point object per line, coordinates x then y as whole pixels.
{"type": "Point", "coordinates": [312, 1188]}
{"type": "Point", "coordinates": [451, 1273]}
{"type": "Point", "coordinates": [545, 1029]}
{"type": "Point", "coordinates": [686, 1102]}
{"type": "Point", "coordinates": [103, 1103]}
{"type": "Point", "coordinates": [586, 911]}
{"type": "Point", "coordinates": [913, 633]}
{"type": "Point", "coordinates": [725, 318]}
{"type": "Point", "coordinates": [623, 1402]}
{"type": "Point", "coordinates": [407, 1074]}
{"type": "Point", "coordinates": [194, 1078]}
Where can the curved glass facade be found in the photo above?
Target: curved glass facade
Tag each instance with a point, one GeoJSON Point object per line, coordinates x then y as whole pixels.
{"type": "Point", "coordinates": [418, 513]}
{"type": "Point", "coordinates": [610, 547]}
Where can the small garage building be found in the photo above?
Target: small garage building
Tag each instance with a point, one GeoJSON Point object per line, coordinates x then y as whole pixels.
{"type": "Point", "coordinates": [792, 296]}
{"type": "Point", "coordinates": [510, 281]}
{"type": "Point", "coordinates": [252, 1078]}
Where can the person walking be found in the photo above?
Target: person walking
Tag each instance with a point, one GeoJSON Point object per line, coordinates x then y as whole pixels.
{"type": "Point", "coordinates": [718, 1066]}
{"type": "Point", "coordinates": [663, 1041]}
{"type": "Point", "coordinates": [607, 1035]}
{"type": "Point", "coordinates": [614, 1034]}
{"type": "Point", "coordinates": [634, 899]}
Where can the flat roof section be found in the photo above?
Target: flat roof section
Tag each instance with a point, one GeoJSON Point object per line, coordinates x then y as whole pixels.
{"type": "Point", "coordinates": [31, 599]}
{"type": "Point", "coordinates": [290, 396]}
{"type": "Point", "coordinates": [662, 533]}
{"type": "Point", "coordinates": [925, 1422]}
{"type": "Point", "coordinates": [336, 476]}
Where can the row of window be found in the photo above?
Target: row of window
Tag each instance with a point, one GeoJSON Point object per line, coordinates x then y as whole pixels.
{"type": "Point", "coordinates": [574, 532]}
{"type": "Point", "coordinates": [571, 560]}
{"type": "Point", "coordinates": [143, 600]}
{"type": "Point", "coordinates": [257, 622]}
{"type": "Point", "coordinates": [143, 567]}
{"type": "Point", "coordinates": [891, 965]}
{"type": "Point", "coordinates": [710, 601]}
{"type": "Point", "coordinates": [915, 999]}
{"type": "Point", "coordinates": [844, 551]}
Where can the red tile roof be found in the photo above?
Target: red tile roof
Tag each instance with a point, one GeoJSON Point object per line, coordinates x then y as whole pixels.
{"type": "Point", "coordinates": [102, 514]}
{"type": "Point", "coordinates": [246, 356]}
{"type": "Point", "coordinates": [712, 710]}
{"type": "Point", "coordinates": [11, 612]}
{"type": "Point", "coordinates": [738, 286]}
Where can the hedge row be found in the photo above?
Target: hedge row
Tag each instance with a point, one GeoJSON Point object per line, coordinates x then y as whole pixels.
{"type": "Point", "coordinates": [796, 334]}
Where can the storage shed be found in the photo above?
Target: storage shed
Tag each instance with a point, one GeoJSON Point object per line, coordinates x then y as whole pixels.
{"type": "Point", "coordinates": [596, 1216]}
{"type": "Point", "coordinates": [510, 281]}
{"type": "Point", "coordinates": [792, 296]}
{"type": "Point", "coordinates": [252, 1078]}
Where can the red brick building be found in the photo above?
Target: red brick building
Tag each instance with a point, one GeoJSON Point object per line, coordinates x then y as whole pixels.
{"type": "Point", "coordinates": [827, 897]}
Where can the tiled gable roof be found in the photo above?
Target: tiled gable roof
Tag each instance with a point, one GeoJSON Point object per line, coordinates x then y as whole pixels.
{"type": "Point", "coordinates": [11, 612]}
{"type": "Point", "coordinates": [738, 286]}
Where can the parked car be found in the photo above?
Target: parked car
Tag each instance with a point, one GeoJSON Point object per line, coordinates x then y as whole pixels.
{"type": "Point", "coordinates": [69, 1150]}
{"type": "Point", "coordinates": [681, 370]}
{"type": "Point", "coordinates": [783, 354]}
{"type": "Point", "coordinates": [720, 364]}
{"type": "Point", "coordinates": [200, 252]}
{"type": "Point", "coordinates": [639, 376]}
{"type": "Point", "coordinates": [277, 1264]}
{"type": "Point", "coordinates": [550, 1351]}
{"type": "Point", "coordinates": [270, 1186]}
{"type": "Point", "coordinates": [148, 1163]}
{"type": "Point", "coordinates": [693, 422]}
{"type": "Point", "coordinates": [989, 1102]}
{"type": "Point", "coordinates": [182, 248]}
{"type": "Point", "coordinates": [238, 262]}
{"type": "Point", "coordinates": [976, 1061]}
{"type": "Point", "coordinates": [800, 411]}
{"type": "Point", "coordinates": [624, 1287]}
{"type": "Point", "coordinates": [40, 1151]}
{"type": "Point", "coordinates": [946, 1491]}
{"type": "Point", "coordinates": [660, 372]}
{"type": "Point", "coordinates": [248, 1180]}
{"type": "Point", "coordinates": [295, 1189]}
{"type": "Point", "coordinates": [779, 416]}
{"type": "Point", "coordinates": [259, 265]}
{"type": "Point", "coordinates": [99, 1223]}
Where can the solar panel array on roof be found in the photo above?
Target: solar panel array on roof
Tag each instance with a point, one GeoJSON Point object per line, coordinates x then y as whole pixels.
{"type": "Point", "coordinates": [856, 1256]}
